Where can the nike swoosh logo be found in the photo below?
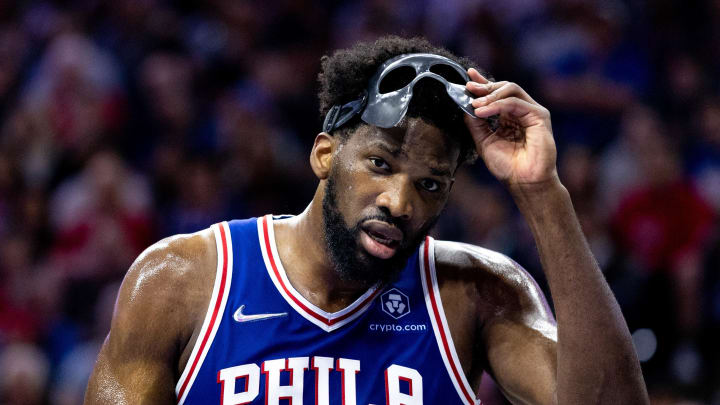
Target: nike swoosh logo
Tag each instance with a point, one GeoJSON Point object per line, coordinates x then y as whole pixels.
{"type": "Point", "coordinates": [238, 316]}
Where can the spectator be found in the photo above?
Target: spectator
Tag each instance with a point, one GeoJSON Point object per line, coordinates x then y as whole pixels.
{"type": "Point", "coordinates": [122, 122]}
{"type": "Point", "coordinates": [25, 373]}
{"type": "Point", "coordinates": [101, 218]}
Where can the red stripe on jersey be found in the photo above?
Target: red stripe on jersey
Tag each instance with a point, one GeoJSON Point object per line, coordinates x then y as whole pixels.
{"type": "Point", "coordinates": [218, 301]}
{"type": "Point", "coordinates": [438, 320]}
{"type": "Point", "coordinates": [326, 321]}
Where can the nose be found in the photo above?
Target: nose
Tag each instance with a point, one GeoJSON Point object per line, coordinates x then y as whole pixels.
{"type": "Point", "coordinates": [397, 197]}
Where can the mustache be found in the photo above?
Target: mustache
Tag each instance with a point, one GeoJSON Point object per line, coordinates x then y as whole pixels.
{"type": "Point", "coordinates": [385, 217]}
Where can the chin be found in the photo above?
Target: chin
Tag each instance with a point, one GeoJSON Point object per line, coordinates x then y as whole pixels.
{"type": "Point", "coordinates": [370, 270]}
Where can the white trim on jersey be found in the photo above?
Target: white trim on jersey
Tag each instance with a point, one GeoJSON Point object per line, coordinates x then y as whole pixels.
{"type": "Point", "coordinates": [439, 324]}
{"type": "Point", "coordinates": [325, 320]}
{"type": "Point", "coordinates": [214, 314]}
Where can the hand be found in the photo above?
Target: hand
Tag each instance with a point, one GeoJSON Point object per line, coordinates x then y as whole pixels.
{"type": "Point", "coordinates": [522, 149]}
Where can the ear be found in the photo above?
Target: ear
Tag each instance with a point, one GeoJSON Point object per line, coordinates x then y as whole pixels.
{"type": "Point", "coordinates": [321, 155]}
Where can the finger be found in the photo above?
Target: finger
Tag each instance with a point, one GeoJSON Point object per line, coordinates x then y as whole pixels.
{"type": "Point", "coordinates": [480, 129]}
{"type": "Point", "coordinates": [525, 112]}
{"type": "Point", "coordinates": [483, 89]}
{"type": "Point", "coordinates": [501, 90]}
{"type": "Point", "coordinates": [476, 76]}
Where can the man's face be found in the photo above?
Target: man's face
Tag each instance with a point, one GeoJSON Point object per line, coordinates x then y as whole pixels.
{"type": "Point", "coordinates": [385, 190]}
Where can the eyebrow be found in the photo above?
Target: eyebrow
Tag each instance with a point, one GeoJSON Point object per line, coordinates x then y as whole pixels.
{"type": "Point", "coordinates": [440, 172]}
{"type": "Point", "coordinates": [395, 152]}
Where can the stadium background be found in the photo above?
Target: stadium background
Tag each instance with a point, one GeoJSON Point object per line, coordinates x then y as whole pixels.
{"type": "Point", "coordinates": [125, 121]}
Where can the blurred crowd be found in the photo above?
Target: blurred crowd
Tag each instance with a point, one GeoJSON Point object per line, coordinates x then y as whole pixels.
{"type": "Point", "coordinates": [127, 121]}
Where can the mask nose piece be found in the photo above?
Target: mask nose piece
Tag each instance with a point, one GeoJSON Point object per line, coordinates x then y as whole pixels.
{"type": "Point", "coordinates": [389, 108]}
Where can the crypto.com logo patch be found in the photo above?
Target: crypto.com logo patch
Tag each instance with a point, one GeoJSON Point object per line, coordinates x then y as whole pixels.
{"type": "Point", "coordinates": [395, 303]}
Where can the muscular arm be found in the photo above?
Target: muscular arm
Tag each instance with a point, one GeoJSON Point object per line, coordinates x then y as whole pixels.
{"type": "Point", "coordinates": [159, 305]}
{"type": "Point", "coordinates": [595, 360]}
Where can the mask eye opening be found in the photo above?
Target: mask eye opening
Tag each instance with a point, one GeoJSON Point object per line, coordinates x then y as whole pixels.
{"type": "Point", "coordinates": [449, 73]}
{"type": "Point", "coordinates": [396, 79]}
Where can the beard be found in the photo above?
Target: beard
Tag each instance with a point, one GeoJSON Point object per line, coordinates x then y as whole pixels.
{"type": "Point", "coordinates": [352, 263]}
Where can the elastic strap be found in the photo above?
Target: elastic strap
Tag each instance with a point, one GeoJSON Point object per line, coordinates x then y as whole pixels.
{"type": "Point", "coordinates": [337, 116]}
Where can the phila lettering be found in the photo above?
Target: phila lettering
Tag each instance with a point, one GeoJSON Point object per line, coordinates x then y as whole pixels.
{"type": "Point", "coordinates": [241, 384]}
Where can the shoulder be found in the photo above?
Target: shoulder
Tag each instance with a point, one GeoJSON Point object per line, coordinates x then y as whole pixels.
{"type": "Point", "coordinates": [471, 258]}
{"type": "Point", "coordinates": [157, 310]}
{"type": "Point", "coordinates": [167, 288]}
{"type": "Point", "coordinates": [495, 284]}
{"type": "Point", "coordinates": [172, 262]}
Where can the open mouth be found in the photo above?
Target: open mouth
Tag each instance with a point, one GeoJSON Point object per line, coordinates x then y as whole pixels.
{"type": "Point", "coordinates": [380, 239]}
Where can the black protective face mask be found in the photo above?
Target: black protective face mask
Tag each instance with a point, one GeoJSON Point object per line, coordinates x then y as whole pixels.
{"type": "Point", "coordinates": [385, 107]}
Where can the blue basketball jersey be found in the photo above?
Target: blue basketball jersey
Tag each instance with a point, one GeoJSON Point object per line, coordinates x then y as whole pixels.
{"type": "Point", "coordinates": [263, 343]}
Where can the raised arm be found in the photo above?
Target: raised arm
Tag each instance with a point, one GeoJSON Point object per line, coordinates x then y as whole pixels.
{"type": "Point", "coordinates": [159, 307]}
{"type": "Point", "coordinates": [595, 361]}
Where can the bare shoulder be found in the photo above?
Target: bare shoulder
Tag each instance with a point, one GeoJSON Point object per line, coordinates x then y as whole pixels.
{"type": "Point", "coordinates": [498, 317]}
{"type": "Point", "coordinates": [465, 257]}
{"type": "Point", "coordinates": [498, 284]}
{"type": "Point", "coordinates": [159, 308]}
{"type": "Point", "coordinates": [170, 263]}
{"type": "Point", "coordinates": [169, 284]}
{"type": "Point", "coordinates": [164, 297]}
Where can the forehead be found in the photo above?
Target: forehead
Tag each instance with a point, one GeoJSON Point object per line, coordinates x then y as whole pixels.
{"type": "Point", "coordinates": [412, 139]}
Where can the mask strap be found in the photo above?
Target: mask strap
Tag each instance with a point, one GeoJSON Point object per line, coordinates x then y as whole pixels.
{"type": "Point", "coordinates": [339, 115]}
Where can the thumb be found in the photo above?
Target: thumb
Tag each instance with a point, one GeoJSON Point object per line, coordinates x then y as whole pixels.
{"type": "Point", "coordinates": [479, 128]}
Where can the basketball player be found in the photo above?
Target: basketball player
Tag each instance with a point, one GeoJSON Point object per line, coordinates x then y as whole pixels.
{"type": "Point", "coordinates": [350, 302]}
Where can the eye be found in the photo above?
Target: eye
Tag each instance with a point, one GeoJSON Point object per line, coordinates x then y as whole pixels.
{"type": "Point", "coordinates": [430, 185]}
{"type": "Point", "coordinates": [380, 163]}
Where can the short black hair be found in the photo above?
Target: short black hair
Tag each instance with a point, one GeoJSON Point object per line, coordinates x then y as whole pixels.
{"type": "Point", "coordinates": [345, 75]}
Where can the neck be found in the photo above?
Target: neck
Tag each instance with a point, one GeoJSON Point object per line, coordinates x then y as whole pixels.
{"type": "Point", "coordinates": [303, 253]}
